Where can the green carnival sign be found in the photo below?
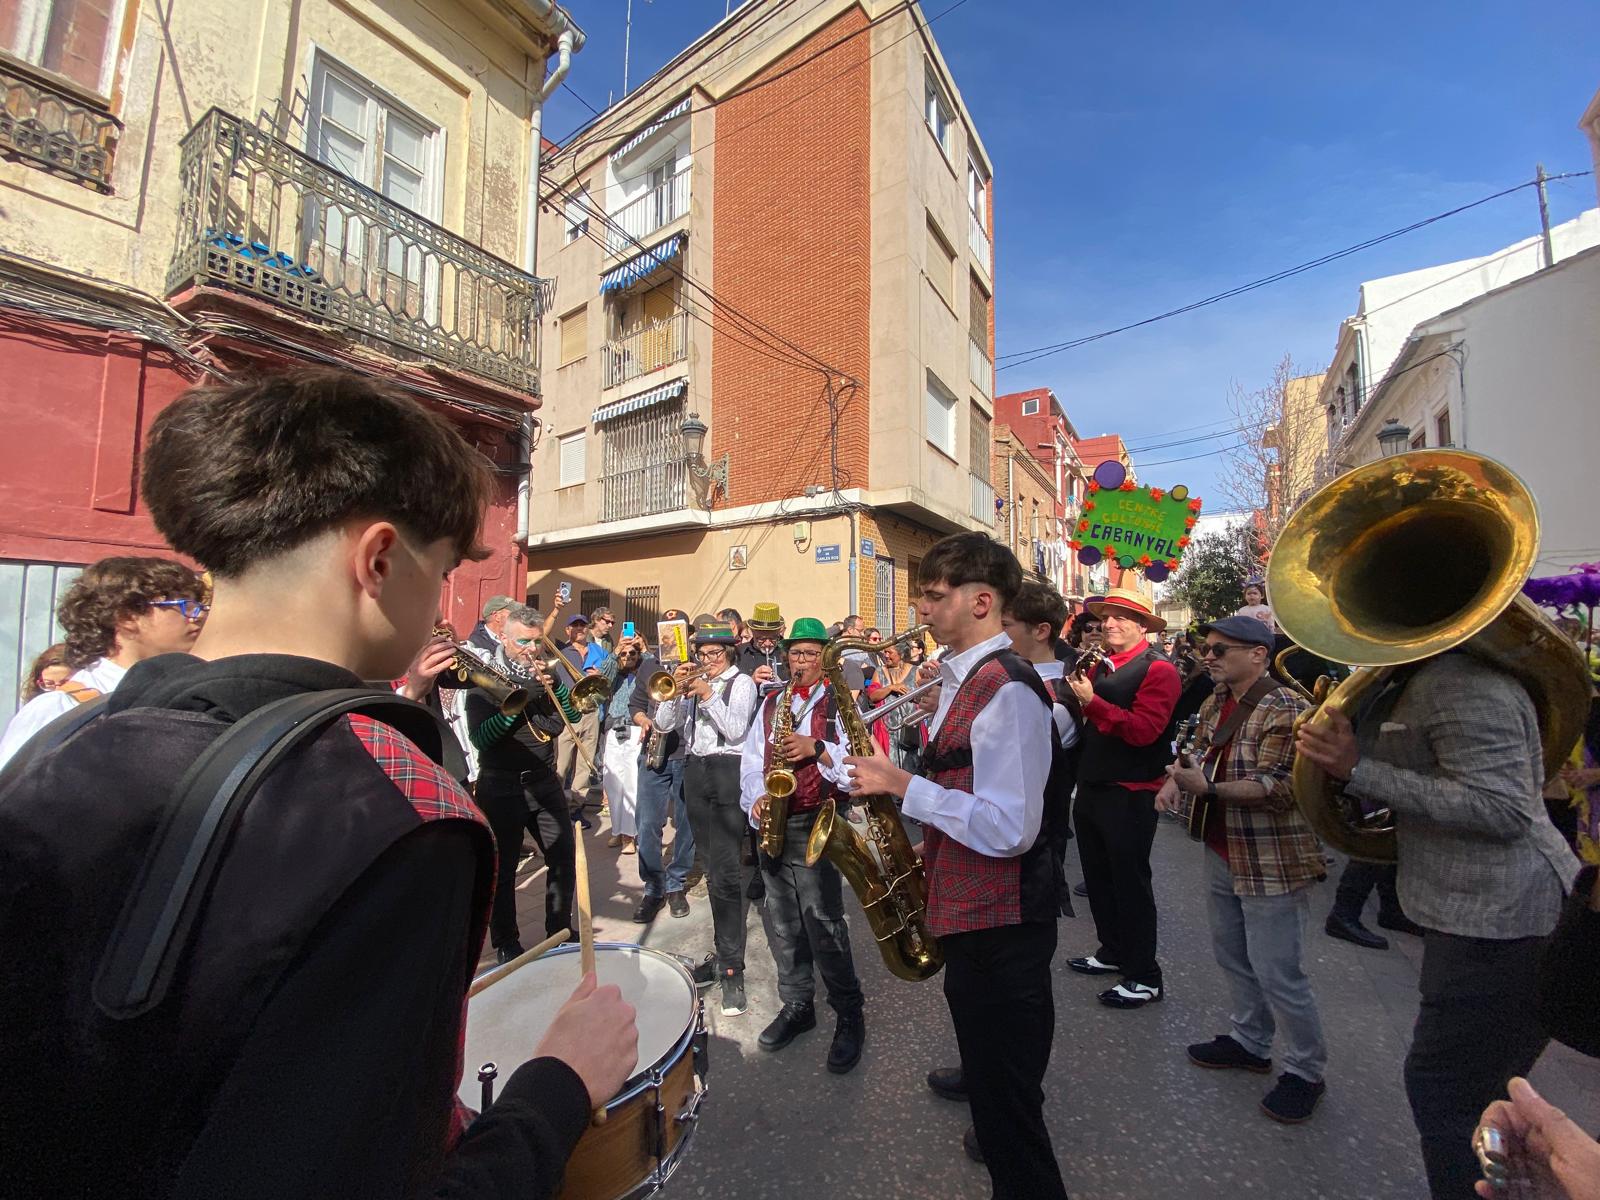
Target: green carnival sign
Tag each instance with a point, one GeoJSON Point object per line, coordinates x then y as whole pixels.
{"type": "Point", "coordinates": [1138, 528]}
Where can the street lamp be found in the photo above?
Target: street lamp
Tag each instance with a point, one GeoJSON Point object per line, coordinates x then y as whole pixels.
{"type": "Point", "coordinates": [708, 477]}
{"type": "Point", "coordinates": [1393, 437]}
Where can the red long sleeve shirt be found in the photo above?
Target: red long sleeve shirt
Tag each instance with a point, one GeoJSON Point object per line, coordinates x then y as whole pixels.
{"type": "Point", "coordinates": [1152, 708]}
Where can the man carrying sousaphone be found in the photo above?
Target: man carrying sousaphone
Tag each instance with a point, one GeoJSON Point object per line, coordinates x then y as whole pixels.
{"type": "Point", "coordinates": [804, 912]}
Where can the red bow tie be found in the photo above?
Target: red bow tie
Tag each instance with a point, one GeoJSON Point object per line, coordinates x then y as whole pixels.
{"type": "Point", "coordinates": [803, 690]}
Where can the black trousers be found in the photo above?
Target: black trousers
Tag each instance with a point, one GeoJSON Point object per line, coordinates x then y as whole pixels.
{"type": "Point", "coordinates": [711, 793]}
{"type": "Point", "coordinates": [997, 983]}
{"type": "Point", "coordinates": [1356, 884]}
{"type": "Point", "coordinates": [534, 801]}
{"type": "Point", "coordinates": [804, 920]}
{"type": "Point", "coordinates": [1116, 828]}
{"type": "Point", "coordinates": [1475, 1030]}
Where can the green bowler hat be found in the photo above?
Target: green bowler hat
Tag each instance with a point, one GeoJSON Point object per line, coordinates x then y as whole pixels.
{"type": "Point", "coordinates": [806, 629]}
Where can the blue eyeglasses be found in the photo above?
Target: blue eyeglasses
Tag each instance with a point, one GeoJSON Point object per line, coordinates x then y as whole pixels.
{"type": "Point", "coordinates": [192, 610]}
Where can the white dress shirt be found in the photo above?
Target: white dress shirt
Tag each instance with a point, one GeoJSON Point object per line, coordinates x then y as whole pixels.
{"type": "Point", "coordinates": [102, 675]}
{"type": "Point", "coordinates": [721, 722]}
{"type": "Point", "coordinates": [1010, 761]}
{"type": "Point", "coordinates": [753, 758]}
{"type": "Point", "coordinates": [1066, 727]}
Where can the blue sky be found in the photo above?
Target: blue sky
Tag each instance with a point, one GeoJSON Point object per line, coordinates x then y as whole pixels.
{"type": "Point", "coordinates": [1148, 155]}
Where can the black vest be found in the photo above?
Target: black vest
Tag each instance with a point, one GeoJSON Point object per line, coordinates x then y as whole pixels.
{"type": "Point", "coordinates": [1107, 759]}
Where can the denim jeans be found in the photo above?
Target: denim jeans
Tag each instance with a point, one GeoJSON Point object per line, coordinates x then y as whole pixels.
{"type": "Point", "coordinates": [661, 793]}
{"type": "Point", "coordinates": [1257, 941]}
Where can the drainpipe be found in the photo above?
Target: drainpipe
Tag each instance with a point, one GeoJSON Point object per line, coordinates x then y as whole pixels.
{"type": "Point", "coordinates": [1011, 494]}
{"type": "Point", "coordinates": [855, 582]}
{"type": "Point", "coordinates": [569, 40]}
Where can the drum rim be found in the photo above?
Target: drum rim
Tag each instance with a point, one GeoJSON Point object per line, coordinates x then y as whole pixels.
{"type": "Point", "coordinates": [637, 1084]}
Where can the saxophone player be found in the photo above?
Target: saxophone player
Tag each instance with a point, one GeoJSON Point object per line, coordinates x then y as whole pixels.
{"type": "Point", "coordinates": [991, 876]}
{"type": "Point", "coordinates": [804, 912]}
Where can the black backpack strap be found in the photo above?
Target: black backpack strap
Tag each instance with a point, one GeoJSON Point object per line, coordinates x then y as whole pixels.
{"type": "Point", "coordinates": [55, 734]}
{"type": "Point", "coordinates": [156, 919]}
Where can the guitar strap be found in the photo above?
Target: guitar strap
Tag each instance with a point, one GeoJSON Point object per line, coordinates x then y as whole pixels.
{"type": "Point", "coordinates": [1223, 734]}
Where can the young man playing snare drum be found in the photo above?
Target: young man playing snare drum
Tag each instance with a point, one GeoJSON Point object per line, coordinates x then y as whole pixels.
{"type": "Point", "coordinates": [309, 1042]}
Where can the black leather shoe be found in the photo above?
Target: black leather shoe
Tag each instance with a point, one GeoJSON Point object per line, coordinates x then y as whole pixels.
{"type": "Point", "coordinates": [1400, 923]}
{"type": "Point", "coordinates": [647, 908]}
{"type": "Point", "coordinates": [948, 1083]}
{"type": "Point", "coordinates": [1293, 1100]}
{"type": "Point", "coordinates": [504, 954]}
{"type": "Point", "coordinates": [849, 1035]}
{"type": "Point", "coordinates": [677, 904]}
{"type": "Point", "coordinates": [1128, 994]}
{"type": "Point", "coordinates": [792, 1020]}
{"type": "Point", "coordinates": [1354, 931]}
{"type": "Point", "coordinates": [1081, 889]}
{"type": "Point", "coordinates": [706, 973]}
{"type": "Point", "coordinates": [1090, 965]}
{"type": "Point", "coordinates": [969, 1142]}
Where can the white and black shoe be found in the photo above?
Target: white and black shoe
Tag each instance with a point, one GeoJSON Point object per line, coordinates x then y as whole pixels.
{"type": "Point", "coordinates": [1128, 994]}
{"type": "Point", "coordinates": [1090, 965]}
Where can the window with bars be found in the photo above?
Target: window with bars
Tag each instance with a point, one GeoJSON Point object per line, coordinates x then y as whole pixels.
{"type": "Point", "coordinates": [980, 444]}
{"type": "Point", "coordinates": [642, 606]}
{"type": "Point", "coordinates": [592, 598]}
{"type": "Point", "coordinates": [978, 314]}
{"type": "Point", "coordinates": [641, 466]}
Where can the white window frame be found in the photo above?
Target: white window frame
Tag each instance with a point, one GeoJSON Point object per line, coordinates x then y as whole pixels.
{"type": "Point", "coordinates": [939, 416]}
{"type": "Point", "coordinates": [1032, 411]}
{"type": "Point", "coordinates": [33, 31]}
{"type": "Point", "coordinates": [978, 193]}
{"type": "Point", "coordinates": [571, 454]}
{"type": "Point", "coordinates": [575, 216]}
{"type": "Point", "coordinates": [938, 112]}
{"type": "Point", "coordinates": [432, 189]}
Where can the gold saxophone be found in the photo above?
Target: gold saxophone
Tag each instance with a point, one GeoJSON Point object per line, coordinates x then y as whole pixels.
{"type": "Point", "coordinates": [779, 780]}
{"type": "Point", "coordinates": [881, 868]}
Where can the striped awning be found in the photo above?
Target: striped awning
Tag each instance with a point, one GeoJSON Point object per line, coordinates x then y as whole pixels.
{"type": "Point", "coordinates": [640, 265]}
{"type": "Point", "coordinates": [632, 404]}
{"type": "Point", "coordinates": [677, 110]}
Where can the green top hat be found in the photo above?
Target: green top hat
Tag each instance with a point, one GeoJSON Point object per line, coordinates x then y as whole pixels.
{"type": "Point", "coordinates": [806, 629]}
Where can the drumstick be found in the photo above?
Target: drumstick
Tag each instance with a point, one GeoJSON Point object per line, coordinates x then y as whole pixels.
{"type": "Point", "coordinates": [521, 960]}
{"type": "Point", "coordinates": [585, 923]}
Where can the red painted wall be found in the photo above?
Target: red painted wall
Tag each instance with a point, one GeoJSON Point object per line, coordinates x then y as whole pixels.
{"type": "Point", "coordinates": [76, 404]}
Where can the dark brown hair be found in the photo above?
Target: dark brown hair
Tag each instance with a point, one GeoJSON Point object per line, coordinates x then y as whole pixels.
{"type": "Point", "coordinates": [50, 656]}
{"type": "Point", "coordinates": [113, 590]}
{"type": "Point", "coordinates": [972, 558]}
{"type": "Point", "coordinates": [1038, 603]}
{"type": "Point", "coordinates": [239, 473]}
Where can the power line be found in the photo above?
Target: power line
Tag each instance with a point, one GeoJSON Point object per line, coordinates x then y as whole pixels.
{"type": "Point", "coordinates": [1022, 357]}
{"type": "Point", "coordinates": [571, 91]}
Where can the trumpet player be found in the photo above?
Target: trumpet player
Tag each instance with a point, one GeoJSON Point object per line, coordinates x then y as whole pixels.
{"type": "Point", "coordinates": [518, 787]}
{"type": "Point", "coordinates": [804, 912]}
{"type": "Point", "coordinates": [712, 709]}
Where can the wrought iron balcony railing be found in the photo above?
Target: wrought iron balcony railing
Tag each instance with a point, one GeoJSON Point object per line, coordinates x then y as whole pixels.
{"type": "Point", "coordinates": [643, 471]}
{"type": "Point", "coordinates": [46, 125]}
{"type": "Point", "coordinates": [657, 345]}
{"type": "Point", "coordinates": [261, 216]}
{"type": "Point", "coordinates": [979, 369]}
{"type": "Point", "coordinates": [979, 242]}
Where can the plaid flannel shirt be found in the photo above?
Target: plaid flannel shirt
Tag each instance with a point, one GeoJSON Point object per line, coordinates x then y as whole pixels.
{"type": "Point", "coordinates": [1271, 848]}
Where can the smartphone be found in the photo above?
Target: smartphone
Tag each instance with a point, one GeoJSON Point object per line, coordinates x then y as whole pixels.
{"type": "Point", "coordinates": [564, 592]}
{"type": "Point", "coordinates": [627, 629]}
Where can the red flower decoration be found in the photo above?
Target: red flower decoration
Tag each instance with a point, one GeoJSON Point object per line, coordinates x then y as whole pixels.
{"type": "Point", "coordinates": [1083, 526]}
{"type": "Point", "coordinates": [1194, 505]}
{"type": "Point", "coordinates": [1127, 486]}
{"type": "Point", "coordinates": [1183, 541]}
{"type": "Point", "coordinates": [1172, 564]}
{"type": "Point", "coordinates": [1075, 544]}
{"type": "Point", "coordinates": [1088, 506]}
{"type": "Point", "coordinates": [1109, 551]}
{"type": "Point", "coordinates": [1156, 493]}
{"type": "Point", "coordinates": [1188, 522]}
{"type": "Point", "coordinates": [1144, 560]}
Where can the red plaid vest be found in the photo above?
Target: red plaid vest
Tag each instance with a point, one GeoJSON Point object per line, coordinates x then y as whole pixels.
{"type": "Point", "coordinates": [810, 789]}
{"type": "Point", "coordinates": [968, 891]}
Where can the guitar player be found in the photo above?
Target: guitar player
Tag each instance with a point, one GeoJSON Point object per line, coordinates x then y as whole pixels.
{"type": "Point", "coordinates": [1261, 860]}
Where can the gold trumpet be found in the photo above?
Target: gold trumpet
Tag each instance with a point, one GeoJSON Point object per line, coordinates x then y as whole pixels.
{"type": "Point", "coordinates": [588, 692]}
{"type": "Point", "coordinates": [661, 686]}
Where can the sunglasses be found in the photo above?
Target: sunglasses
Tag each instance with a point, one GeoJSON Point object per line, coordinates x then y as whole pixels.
{"type": "Point", "coordinates": [192, 610]}
{"type": "Point", "coordinates": [1218, 649]}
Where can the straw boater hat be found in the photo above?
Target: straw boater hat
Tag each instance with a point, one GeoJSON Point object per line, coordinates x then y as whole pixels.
{"type": "Point", "coordinates": [766, 619]}
{"type": "Point", "coordinates": [1128, 603]}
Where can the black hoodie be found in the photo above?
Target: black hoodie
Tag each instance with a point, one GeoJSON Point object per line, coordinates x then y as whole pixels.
{"type": "Point", "coordinates": [310, 1044]}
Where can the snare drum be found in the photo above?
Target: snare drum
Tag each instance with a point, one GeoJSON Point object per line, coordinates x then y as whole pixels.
{"type": "Point", "coordinates": [649, 1122]}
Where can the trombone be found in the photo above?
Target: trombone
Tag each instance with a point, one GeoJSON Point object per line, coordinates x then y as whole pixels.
{"type": "Point", "coordinates": [588, 692]}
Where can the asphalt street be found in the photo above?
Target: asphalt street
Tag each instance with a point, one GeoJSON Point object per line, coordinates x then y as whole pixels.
{"type": "Point", "coordinates": [1129, 1115]}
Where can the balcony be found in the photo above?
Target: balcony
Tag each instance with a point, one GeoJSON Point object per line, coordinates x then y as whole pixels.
{"type": "Point", "coordinates": [982, 501]}
{"type": "Point", "coordinates": [642, 465]}
{"type": "Point", "coordinates": [257, 215]}
{"type": "Point", "coordinates": [979, 369]}
{"type": "Point", "coordinates": [46, 125]}
{"type": "Point", "coordinates": [979, 242]}
{"type": "Point", "coordinates": [639, 218]}
{"type": "Point", "coordinates": [656, 345]}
